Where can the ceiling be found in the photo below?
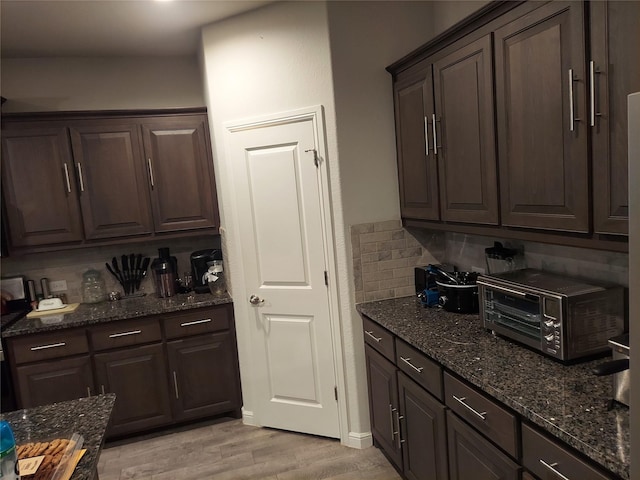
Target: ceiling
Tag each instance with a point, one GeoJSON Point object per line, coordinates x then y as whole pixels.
{"type": "Point", "coordinates": [72, 28]}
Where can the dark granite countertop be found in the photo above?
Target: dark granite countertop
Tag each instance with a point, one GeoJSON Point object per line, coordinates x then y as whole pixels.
{"type": "Point", "coordinates": [93, 314]}
{"type": "Point", "coordinates": [569, 402]}
{"type": "Point", "coordinates": [87, 416]}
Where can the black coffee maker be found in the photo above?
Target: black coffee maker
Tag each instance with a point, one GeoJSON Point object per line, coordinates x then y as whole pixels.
{"type": "Point", "coordinates": [201, 260]}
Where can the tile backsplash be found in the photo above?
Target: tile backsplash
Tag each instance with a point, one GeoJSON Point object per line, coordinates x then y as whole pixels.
{"type": "Point", "coordinates": [69, 265]}
{"type": "Point", "coordinates": [384, 254]}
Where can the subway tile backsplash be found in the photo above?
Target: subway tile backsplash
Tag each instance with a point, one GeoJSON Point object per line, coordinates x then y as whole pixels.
{"type": "Point", "coordinates": [385, 253]}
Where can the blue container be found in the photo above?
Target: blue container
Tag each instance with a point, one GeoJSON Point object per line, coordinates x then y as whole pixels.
{"type": "Point", "coordinates": [8, 454]}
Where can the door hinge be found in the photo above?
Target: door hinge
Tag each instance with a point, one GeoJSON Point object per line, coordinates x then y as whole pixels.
{"type": "Point", "coordinates": [316, 159]}
{"type": "Point", "coordinates": [326, 278]}
{"type": "Point", "coordinates": [335, 392]}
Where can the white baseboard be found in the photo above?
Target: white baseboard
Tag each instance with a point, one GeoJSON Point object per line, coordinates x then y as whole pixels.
{"type": "Point", "coordinates": [248, 418]}
{"type": "Point", "coordinates": [359, 440]}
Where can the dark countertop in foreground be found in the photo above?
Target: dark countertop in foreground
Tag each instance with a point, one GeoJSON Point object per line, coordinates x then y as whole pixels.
{"type": "Point", "coordinates": [569, 402]}
{"type": "Point", "coordinates": [96, 313]}
{"type": "Point", "coordinates": [87, 416]}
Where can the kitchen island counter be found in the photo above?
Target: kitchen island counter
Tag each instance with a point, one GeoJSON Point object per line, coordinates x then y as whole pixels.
{"type": "Point", "coordinates": [104, 312]}
{"type": "Point", "coordinates": [86, 416]}
{"type": "Point", "coordinates": [567, 401]}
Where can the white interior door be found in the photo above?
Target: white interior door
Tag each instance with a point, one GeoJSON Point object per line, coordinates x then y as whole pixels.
{"type": "Point", "coordinates": [280, 216]}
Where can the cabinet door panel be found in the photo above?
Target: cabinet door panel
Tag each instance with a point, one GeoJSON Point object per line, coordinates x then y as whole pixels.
{"type": "Point", "coordinates": [183, 184]}
{"type": "Point", "coordinates": [615, 35]}
{"type": "Point", "coordinates": [423, 430]}
{"type": "Point", "coordinates": [471, 457]}
{"type": "Point", "coordinates": [205, 375]}
{"type": "Point", "coordinates": [463, 88]}
{"type": "Point", "coordinates": [138, 377]}
{"type": "Point", "coordinates": [57, 380]}
{"type": "Point", "coordinates": [543, 155]}
{"type": "Point", "coordinates": [383, 403]}
{"type": "Point", "coordinates": [39, 188]}
{"type": "Point", "coordinates": [113, 186]}
{"type": "Point", "coordinates": [417, 164]}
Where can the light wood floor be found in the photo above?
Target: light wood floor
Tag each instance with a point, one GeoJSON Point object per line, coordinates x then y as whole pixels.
{"type": "Point", "coordinates": [233, 451]}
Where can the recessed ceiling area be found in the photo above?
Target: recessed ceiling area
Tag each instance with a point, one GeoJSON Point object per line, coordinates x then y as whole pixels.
{"type": "Point", "coordinates": [110, 28]}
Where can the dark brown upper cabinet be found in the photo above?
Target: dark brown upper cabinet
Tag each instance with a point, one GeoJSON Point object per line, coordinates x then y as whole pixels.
{"type": "Point", "coordinates": [417, 166]}
{"type": "Point", "coordinates": [180, 167]}
{"type": "Point", "coordinates": [39, 186]}
{"type": "Point", "coordinates": [112, 178]}
{"type": "Point", "coordinates": [542, 119]}
{"type": "Point", "coordinates": [615, 36]}
{"type": "Point", "coordinates": [72, 179]}
{"type": "Point", "coordinates": [464, 134]}
{"type": "Point", "coordinates": [445, 136]}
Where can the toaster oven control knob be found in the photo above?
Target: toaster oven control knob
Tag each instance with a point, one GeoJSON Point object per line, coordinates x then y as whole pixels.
{"type": "Point", "coordinates": [549, 338]}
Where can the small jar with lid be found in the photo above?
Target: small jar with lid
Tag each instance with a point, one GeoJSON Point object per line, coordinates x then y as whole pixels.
{"type": "Point", "coordinates": [93, 287]}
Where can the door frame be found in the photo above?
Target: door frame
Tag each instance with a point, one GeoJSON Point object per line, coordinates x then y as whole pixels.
{"type": "Point", "coordinates": [315, 114]}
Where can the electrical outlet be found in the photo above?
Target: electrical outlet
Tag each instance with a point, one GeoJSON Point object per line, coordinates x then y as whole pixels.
{"type": "Point", "coordinates": [58, 286]}
{"type": "Point", "coordinates": [480, 270]}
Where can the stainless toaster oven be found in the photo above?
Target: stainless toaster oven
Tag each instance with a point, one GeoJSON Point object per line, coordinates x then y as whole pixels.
{"type": "Point", "coordinates": [560, 316]}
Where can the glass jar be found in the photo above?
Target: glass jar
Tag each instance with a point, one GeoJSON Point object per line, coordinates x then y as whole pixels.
{"type": "Point", "coordinates": [93, 288]}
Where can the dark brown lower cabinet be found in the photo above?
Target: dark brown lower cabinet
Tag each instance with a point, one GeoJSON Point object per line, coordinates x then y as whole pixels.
{"type": "Point", "coordinates": [407, 422]}
{"type": "Point", "coordinates": [203, 383]}
{"type": "Point", "coordinates": [54, 381]}
{"type": "Point", "coordinates": [422, 432]}
{"type": "Point", "coordinates": [527, 476]}
{"type": "Point", "coordinates": [137, 376]}
{"type": "Point", "coordinates": [383, 403]}
{"type": "Point", "coordinates": [472, 457]}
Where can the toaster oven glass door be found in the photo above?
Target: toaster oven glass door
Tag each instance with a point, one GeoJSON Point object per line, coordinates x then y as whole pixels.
{"type": "Point", "coordinates": [513, 314]}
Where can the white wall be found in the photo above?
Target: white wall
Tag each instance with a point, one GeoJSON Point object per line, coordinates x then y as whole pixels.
{"type": "Point", "coordinates": [448, 12]}
{"type": "Point", "coordinates": [69, 84]}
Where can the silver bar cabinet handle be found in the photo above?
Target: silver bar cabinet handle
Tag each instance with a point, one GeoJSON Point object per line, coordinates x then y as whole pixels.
{"type": "Point", "coordinates": [124, 334]}
{"type": "Point", "coordinates": [435, 137]}
{"type": "Point", "coordinates": [426, 136]}
{"type": "Point", "coordinates": [175, 383]}
{"type": "Point", "coordinates": [572, 118]}
{"type": "Point", "coordinates": [102, 389]}
{"type": "Point", "coordinates": [66, 176]}
{"type": "Point", "coordinates": [373, 336]}
{"type": "Point", "coordinates": [51, 345]}
{"type": "Point", "coordinates": [592, 93]}
{"type": "Point", "coordinates": [79, 165]}
{"type": "Point", "coordinates": [399, 440]}
{"type": "Point", "coordinates": [408, 362]}
{"type": "Point", "coordinates": [550, 467]}
{"type": "Point", "coordinates": [393, 433]}
{"type": "Point", "coordinates": [88, 391]}
{"type": "Point", "coordinates": [153, 183]}
{"type": "Point", "coordinates": [195, 322]}
{"type": "Point", "coordinates": [482, 415]}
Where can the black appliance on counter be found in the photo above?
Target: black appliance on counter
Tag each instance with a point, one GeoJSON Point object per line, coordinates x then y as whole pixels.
{"type": "Point", "coordinates": [201, 260]}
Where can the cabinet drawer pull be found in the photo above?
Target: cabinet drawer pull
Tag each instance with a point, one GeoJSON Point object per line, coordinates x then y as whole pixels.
{"type": "Point", "coordinates": [125, 334]}
{"type": "Point", "coordinates": [550, 467]}
{"type": "Point", "coordinates": [66, 176]}
{"type": "Point", "coordinates": [175, 384]}
{"type": "Point", "coordinates": [482, 415]}
{"type": "Point", "coordinates": [426, 136]}
{"type": "Point", "coordinates": [408, 362]}
{"type": "Point", "coordinates": [195, 322]}
{"type": "Point", "coordinates": [51, 345]}
{"type": "Point", "coordinates": [373, 336]}
{"type": "Point", "coordinates": [79, 165]}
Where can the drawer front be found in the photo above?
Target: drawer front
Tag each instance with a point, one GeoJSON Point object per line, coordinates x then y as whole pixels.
{"type": "Point", "coordinates": [490, 419]}
{"type": "Point", "coordinates": [197, 322]}
{"type": "Point", "coordinates": [126, 333]}
{"type": "Point", "coordinates": [379, 338]}
{"type": "Point", "coordinates": [546, 458]}
{"type": "Point", "coordinates": [424, 371]}
{"type": "Point", "coordinates": [34, 348]}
